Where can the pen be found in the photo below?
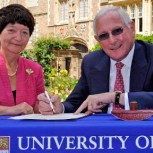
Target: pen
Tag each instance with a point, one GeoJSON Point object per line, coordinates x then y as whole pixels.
{"type": "Point", "coordinates": [50, 102]}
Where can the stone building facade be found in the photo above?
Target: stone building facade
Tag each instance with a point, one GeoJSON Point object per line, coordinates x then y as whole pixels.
{"type": "Point", "coordinates": [73, 20]}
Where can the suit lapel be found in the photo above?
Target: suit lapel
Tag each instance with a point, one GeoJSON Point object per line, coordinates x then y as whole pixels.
{"type": "Point", "coordinates": [100, 75]}
{"type": "Point", "coordinates": [100, 72]}
{"type": "Point", "coordinates": [139, 68]}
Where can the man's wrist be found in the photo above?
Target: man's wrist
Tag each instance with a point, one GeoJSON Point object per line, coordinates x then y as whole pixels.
{"type": "Point", "coordinates": [117, 97]}
{"type": "Point", "coordinates": [122, 99]}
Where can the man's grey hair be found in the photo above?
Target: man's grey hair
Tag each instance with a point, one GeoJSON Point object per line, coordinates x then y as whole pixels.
{"type": "Point", "coordinates": [123, 15]}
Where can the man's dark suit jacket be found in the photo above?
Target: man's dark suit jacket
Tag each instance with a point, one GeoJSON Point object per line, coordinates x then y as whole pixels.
{"type": "Point", "coordinates": [95, 78]}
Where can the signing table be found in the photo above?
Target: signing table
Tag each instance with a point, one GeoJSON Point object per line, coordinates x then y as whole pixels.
{"type": "Point", "coordinates": [99, 133]}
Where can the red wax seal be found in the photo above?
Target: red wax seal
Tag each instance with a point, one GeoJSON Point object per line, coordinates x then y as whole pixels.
{"type": "Point", "coordinates": [133, 105]}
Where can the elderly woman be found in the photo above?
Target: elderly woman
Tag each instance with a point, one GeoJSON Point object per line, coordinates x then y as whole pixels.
{"type": "Point", "coordinates": [21, 80]}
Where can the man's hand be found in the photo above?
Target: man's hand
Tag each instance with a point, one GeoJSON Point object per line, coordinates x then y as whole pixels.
{"type": "Point", "coordinates": [44, 107]}
{"type": "Point", "coordinates": [94, 103]}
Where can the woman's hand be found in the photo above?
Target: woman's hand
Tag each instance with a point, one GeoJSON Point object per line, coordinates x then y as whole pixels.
{"type": "Point", "coordinates": [20, 109]}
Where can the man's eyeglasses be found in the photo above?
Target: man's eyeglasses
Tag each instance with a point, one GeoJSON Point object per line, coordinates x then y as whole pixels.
{"type": "Point", "coordinates": [114, 32]}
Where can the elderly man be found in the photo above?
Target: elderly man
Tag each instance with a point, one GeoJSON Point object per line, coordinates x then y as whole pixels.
{"type": "Point", "coordinates": [119, 73]}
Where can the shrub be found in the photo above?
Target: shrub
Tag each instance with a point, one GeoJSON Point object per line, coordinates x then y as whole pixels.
{"type": "Point", "coordinates": [96, 47]}
{"type": "Point", "coordinates": [61, 84]}
{"type": "Point", "coordinates": [42, 53]}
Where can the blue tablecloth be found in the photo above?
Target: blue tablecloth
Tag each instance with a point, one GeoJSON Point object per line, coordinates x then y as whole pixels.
{"type": "Point", "coordinates": [100, 133]}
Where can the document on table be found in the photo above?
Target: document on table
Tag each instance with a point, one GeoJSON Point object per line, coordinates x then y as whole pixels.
{"type": "Point", "coordinates": [64, 116]}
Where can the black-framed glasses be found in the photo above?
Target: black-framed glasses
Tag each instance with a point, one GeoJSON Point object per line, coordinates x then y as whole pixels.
{"type": "Point", "coordinates": [114, 32]}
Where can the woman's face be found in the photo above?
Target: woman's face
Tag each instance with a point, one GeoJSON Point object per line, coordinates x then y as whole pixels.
{"type": "Point", "coordinates": [14, 38]}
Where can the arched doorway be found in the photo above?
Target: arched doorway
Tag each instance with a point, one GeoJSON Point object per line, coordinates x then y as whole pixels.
{"type": "Point", "coordinates": [71, 59]}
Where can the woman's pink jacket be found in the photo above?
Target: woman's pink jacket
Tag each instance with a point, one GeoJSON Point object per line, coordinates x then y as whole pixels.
{"type": "Point", "coordinates": [29, 83]}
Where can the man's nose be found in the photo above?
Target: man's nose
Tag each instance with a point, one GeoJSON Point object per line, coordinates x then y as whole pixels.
{"type": "Point", "coordinates": [111, 38]}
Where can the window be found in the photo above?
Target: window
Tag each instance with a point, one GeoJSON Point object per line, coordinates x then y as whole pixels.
{"type": "Point", "coordinates": [15, 1]}
{"type": "Point", "coordinates": [83, 9]}
{"type": "Point", "coordinates": [140, 10]}
{"type": "Point", "coordinates": [132, 15]}
{"type": "Point", "coordinates": [32, 3]}
{"type": "Point", "coordinates": [152, 17]}
{"type": "Point", "coordinates": [67, 64]}
{"type": "Point", "coordinates": [63, 10]}
{"type": "Point", "coordinates": [124, 8]}
{"type": "Point", "coordinates": [34, 35]}
{"type": "Point", "coordinates": [5, 3]}
{"type": "Point", "coordinates": [140, 17]}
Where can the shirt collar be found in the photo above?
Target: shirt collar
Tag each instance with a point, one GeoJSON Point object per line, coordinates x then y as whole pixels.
{"type": "Point", "coordinates": [127, 61]}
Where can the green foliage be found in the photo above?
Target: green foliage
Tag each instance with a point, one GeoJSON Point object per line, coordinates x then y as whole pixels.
{"type": "Point", "coordinates": [148, 39]}
{"type": "Point", "coordinates": [61, 84]}
{"type": "Point", "coordinates": [51, 43]}
{"type": "Point", "coordinates": [29, 53]}
{"type": "Point", "coordinates": [42, 49]}
{"type": "Point", "coordinates": [42, 53]}
{"type": "Point", "coordinates": [96, 47]}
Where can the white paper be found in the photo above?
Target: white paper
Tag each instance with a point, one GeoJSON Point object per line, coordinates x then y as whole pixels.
{"type": "Point", "coordinates": [64, 116]}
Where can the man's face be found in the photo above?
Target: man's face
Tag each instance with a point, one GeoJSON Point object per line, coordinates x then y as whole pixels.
{"type": "Point", "coordinates": [114, 36]}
